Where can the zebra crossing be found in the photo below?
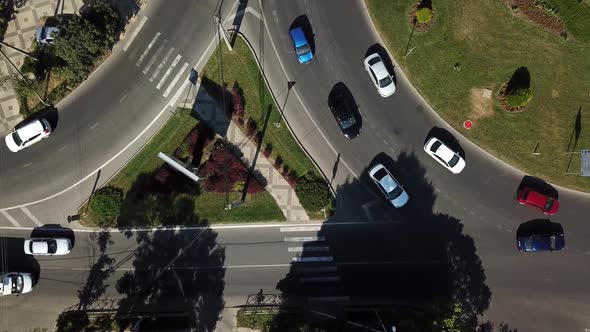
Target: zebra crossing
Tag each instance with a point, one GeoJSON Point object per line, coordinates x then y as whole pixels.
{"type": "Point", "coordinates": [312, 262]}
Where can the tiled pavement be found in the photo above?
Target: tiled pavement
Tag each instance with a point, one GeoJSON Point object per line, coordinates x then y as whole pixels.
{"type": "Point", "coordinates": [21, 34]}
{"type": "Point", "coordinates": [277, 186]}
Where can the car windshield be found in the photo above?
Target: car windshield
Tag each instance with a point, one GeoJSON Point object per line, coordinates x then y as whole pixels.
{"type": "Point", "coordinates": [553, 244]}
{"type": "Point", "coordinates": [17, 139]}
{"type": "Point", "coordinates": [51, 247]}
{"type": "Point", "coordinates": [17, 284]}
{"type": "Point", "coordinates": [528, 245]}
{"type": "Point", "coordinates": [454, 160]}
{"type": "Point", "coordinates": [385, 81]}
{"type": "Point", "coordinates": [374, 61]}
{"type": "Point", "coordinates": [549, 204]}
{"type": "Point", "coordinates": [43, 33]}
{"type": "Point", "coordinates": [347, 122]}
{"type": "Point", "coordinates": [31, 246]}
{"type": "Point", "coordinates": [302, 50]}
{"type": "Point", "coordinates": [395, 193]}
{"type": "Point", "coordinates": [380, 174]}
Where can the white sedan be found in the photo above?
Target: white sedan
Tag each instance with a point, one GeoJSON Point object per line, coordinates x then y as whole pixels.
{"type": "Point", "coordinates": [389, 186]}
{"type": "Point", "coordinates": [379, 75]}
{"type": "Point", "coordinates": [444, 155]}
{"type": "Point", "coordinates": [48, 247]}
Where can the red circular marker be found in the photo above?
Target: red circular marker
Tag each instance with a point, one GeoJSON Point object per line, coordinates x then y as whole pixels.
{"type": "Point", "coordinates": [467, 124]}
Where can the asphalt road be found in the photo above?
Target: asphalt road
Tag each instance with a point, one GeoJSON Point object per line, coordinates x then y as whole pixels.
{"type": "Point", "coordinates": [530, 292]}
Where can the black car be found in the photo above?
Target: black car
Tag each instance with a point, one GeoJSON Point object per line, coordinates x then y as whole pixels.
{"type": "Point", "coordinates": [344, 109]}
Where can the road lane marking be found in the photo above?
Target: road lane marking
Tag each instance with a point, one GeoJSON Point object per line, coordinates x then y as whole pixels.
{"type": "Point", "coordinates": [319, 279]}
{"type": "Point", "coordinates": [94, 126]}
{"type": "Point", "coordinates": [147, 50]}
{"type": "Point", "coordinates": [175, 80]}
{"type": "Point", "coordinates": [312, 259]}
{"type": "Point", "coordinates": [302, 249]}
{"type": "Point", "coordinates": [30, 215]}
{"type": "Point", "coordinates": [300, 228]}
{"type": "Point", "coordinates": [170, 268]}
{"type": "Point", "coordinates": [122, 98]}
{"type": "Point", "coordinates": [304, 239]}
{"type": "Point", "coordinates": [154, 57]}
{"type": "Point", "coordinates": [27, 165]}
{"type": "Point", "coordinates": [62, 148]}
{"type": "Point", "coordinates": [10, 218]}
{"type": "Point", "coordinates": [242, 12]}
{"type": "Point", "coordinates": [167, 73]}
{"type": "Point", "coordinates": [134, 34]}
{"type": "Point", "coordinates": [161, 65]}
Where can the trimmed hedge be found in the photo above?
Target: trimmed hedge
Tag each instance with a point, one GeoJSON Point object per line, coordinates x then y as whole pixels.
{"type": "Point", "coordinates": [105, 205]}
{"type": "Point", "coordinates": [313, 193]}
{"type": "Point", "coordinates": [519, 98]}
{"type": "Point", "coordinates": [423, 15]}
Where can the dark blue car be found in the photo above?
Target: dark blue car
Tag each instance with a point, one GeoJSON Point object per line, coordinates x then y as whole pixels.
{"type": "Point", "coordinates": [302, 48]}
{"type": "Point", "coordinates": [541, 242]}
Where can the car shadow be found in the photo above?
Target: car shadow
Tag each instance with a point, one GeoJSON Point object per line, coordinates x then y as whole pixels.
{"type": "Point", "coordinates": [447, 138]}
{"type": "Point", "coordinates": [303, 22]}
{"type": "Point", "coordinates": [54, 231]}
{"type": "Point", "coordinates": [538, 185]}
{"type": "Point", "coordinates": [15, 259]}
{"type": "Point", "coordinates": [377, 48]}
{"type": "Point", "coordinates": [50, 113]}
{"type": "Point", "coordinates": [539, 226]}
{"type": "Point", "coordinates": [341, 91]}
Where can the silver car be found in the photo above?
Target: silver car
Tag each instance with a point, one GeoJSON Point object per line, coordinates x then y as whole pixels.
{"type": "Point", "coordinates": [47, 247]}
{"type": "Point", "coordinates": [379, 74]}
{"type": "Point", "coordinates": [389, 185]}
{"type": "Point", "coordinates": [46, 35]}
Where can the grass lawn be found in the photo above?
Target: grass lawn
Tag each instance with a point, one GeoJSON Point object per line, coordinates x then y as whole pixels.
{"type": "Point", "coordinates": [182, 209]}
{"type": "Point", "coordinates": [489, 44]}
{"type": "Point", "coordinates": [239, 66]}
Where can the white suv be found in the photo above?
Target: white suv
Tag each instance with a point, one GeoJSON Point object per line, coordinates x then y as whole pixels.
{"type": "Point", "coordinates": [28, 135]}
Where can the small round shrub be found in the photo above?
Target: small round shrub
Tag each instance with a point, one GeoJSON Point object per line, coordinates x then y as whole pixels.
{"type": "Point", "coordinates": [105, 205]}
{"type": "Point", "coordinates": [519, 98]}
{"type": "Point", "coordinates": [424, 15]}
{"type": "Point", "coordinates": [313, 193]}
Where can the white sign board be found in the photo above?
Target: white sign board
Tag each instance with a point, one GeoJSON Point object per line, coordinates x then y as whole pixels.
{"type": "Point", "coordinates": [585, 162]}
{"type": "Point", "coordinates": [177, 165]}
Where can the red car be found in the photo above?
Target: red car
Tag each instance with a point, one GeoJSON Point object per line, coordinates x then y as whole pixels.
{"type": "Point", "coordinates": [533, 198]}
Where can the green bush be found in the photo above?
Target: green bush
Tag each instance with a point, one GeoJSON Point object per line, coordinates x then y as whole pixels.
{"type": "Point", "coordinates": [424, 15]}
{"type": "Point", "coordinates": [313, 193]}
{"type": "Point", "coordinates": [519, 98]}
{"type": "Point", "coordinates": [105, 205]}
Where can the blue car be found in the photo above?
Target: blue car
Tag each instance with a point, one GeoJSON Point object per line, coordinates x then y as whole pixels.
{"type": "Point", "coordinates": [302, 48]}
{"type": "Point", "coordinates": [541, 242]}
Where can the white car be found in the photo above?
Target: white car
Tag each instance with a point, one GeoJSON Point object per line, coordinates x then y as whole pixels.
{"type": "Point", "coordinates": [444, 155]}
{"type": "Point", "coordinates": [48, 247]}
{"type": "Point", "coordinates": [28, 135]}
{"type": "Point", "coordinates": [16, 283]}
{"type": "Point", "coordinates": [389, 186]}
{"type": "Point", "coordinates": [379, 75]}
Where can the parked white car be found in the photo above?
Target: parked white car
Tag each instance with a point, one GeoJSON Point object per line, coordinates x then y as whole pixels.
{"type": "Point", "coordinates": [16, 283]}
{"type": "Point", "coordinates": [444, 155]}
{"type": "Point", "coordinates": [28, 135]}
{"type": "Point", "coordinates": [379, 74]}
{"type": "Point", "coordinates": [389, 186]}
{"type": "Point", "coordinates": [48, 247]}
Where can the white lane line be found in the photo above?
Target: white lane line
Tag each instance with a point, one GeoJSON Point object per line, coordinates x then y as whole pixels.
{"type": "Point", "coordinates": [308, 269]}
{"type": "Point", "coordinates": [241, 12]}
{"type": "Point", "coordinates": [30, 215]}
{"type": "Point", "coordinates": [312, 259]}
{"type": "Point", "coordinates": [162, 63]}
{"type": "Point", "coordinates": [122, 98]}
{"type": "Point", "coordinates": [304, 239]}
{"type": "Point", "coordinates": [62, 148]}
{"type": "Point", "coordinates": [27, 165]}
{"type": "Point", "coordinates": [190, 228]}
{"type": "Point", "coordinates": [173, 267]}
{"type": "Point", "coordinates": [319, 279]}
{"type": "Point", "coordinates": [134, 34]}
{"type": "Point", "coordinates": [300, 228]}
{"type": "Point", "coordinates": [154, 57]}
{"type": "Point", "coordinates": [176, 78]}
{"type": "Point", "coordinates": [94, 126]}
{"type": "Point", "coordinates": [147, 50]}
{"type": "Point", "coordinates": [167, 73]}
{"type": "Point", "coordinates": [302, 249]}
{"type": "Point", "coordinates": [10, 218]}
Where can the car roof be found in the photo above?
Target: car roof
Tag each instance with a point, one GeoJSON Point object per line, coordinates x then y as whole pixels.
{"type": "Point", "coordinates": [536, 198]}
{"type": "Point", "coordinates": [298, 36]}
{"type": "Point", "coordinates": [379, 67]}
{"type": "Point", "coordinates": [387, 181]}
{"type": "Point", "coordinates": [444, 152]}
{"type": "Point", "coordinates": [543, 242]}
{"type": "Point", "coordinates": [40, 247]}
{"type": "Point", "coordinates": [30, 129]}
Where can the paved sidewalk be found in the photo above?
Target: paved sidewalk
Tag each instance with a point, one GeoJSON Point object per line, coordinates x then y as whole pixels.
{"type": "Point", "coordinates": [277, 186]}
{"type": "Point", "coordinates": [21, 34]}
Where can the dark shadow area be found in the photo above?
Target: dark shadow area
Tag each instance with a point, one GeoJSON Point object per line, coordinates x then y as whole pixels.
{"type": "Point", "coordinates": [538, 185]}
{"type": "Point", "coordinates": [238, 18]}
{"type": "Point", "coordinates": [447, 138]}
{"type": "Point", "coordinates": [341, 98]}
{"type": "Point", "coordinates": [539, 226]}
{"type": "Point", "coordinates": [218, 93]}
{"type": "Point", "coordinates": [411, 270]}
{"type": "Point", "coordinates": [253, 174]}
{"type": "Point", "coordinates": [54, 231]}
{"type": "Point", "coordinates": [574, 136]}
{"type": "Point", "coordinates": [303, 22]}
{"type": "Point", "coordinates": [126, 9]}
{"type": "Point", "coordinates": [377, 48]}
{"type": "Point", "coordinates": [521, 79]}
{"type": "Point", "coordinates": [14, 258]}
{"type": "Point", "coordinates": [425, 4]}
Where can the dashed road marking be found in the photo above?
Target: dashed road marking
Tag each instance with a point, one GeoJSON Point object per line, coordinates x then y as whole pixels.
{"type": "Point", "coordinates": [147, 49]}
{"type": "Point", "coordinates": [167, 73]}
{"type": "Point", "coordinates": [176, 78]}
{"type": "Point", "coordinates": [62, 148]}
{"type": "Point", "coordinates": [162, 63]}
{"type": "Point", "coordinates": [30, 215]}
{"type": "Point", "coordinates": [27, 165]}
{"type": "Point", "coordinates": [304, 239]}
{"type": "Point", "coordinates": [134, 34]}
{"type": "Point", "coordinates": [302, 249]}
{"type": "Point", "coordinates": [154, 57]}
{"type": "Point", "coordinates": [10, 218]}
{"type": "Point", "coordinates": [122, 98]}
{"type": "Point", "coordinates": [94, 126]}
